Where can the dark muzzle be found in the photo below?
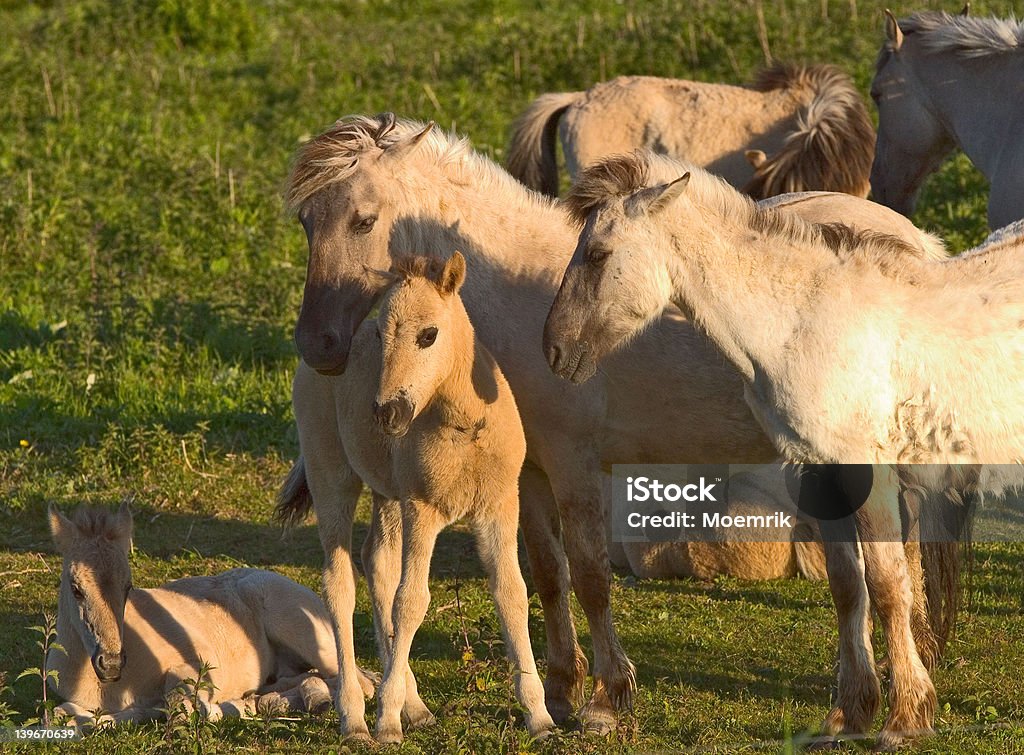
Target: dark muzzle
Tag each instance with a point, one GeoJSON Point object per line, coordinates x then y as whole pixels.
{"type": "Point", "coordinates": [394, 416]}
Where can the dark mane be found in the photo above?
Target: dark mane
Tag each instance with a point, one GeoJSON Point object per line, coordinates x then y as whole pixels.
{"type": "Point", "coordinates": [615, 176]}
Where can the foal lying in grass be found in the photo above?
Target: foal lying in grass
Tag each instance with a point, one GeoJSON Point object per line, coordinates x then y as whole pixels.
{"type": "Point", "coordinates": [129, 652]}
{"type": "Point", "coordinates": [425, 418]}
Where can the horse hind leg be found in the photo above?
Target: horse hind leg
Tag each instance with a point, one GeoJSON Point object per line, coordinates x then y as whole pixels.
{"type": "Point", "coordinates": [382, 563]}
{"type": "Point", "coordinates": [567, 665]}
{"type": "Point", "coordinates": [581, 505]}
{"type": "Point", "coordinates": [497, 545]}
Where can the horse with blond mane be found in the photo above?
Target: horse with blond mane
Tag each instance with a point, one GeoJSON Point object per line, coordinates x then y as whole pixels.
{"type": "Point", "coordinates": [369, 190]}
{"type": "Point", "coordinates": [130, 653]}
{"type": "Point", "coordinates": [798, 128]}
{"type": "Point", "coordinates": [938, 86]}
{"type": "Point", "coordinates": [919, 354]}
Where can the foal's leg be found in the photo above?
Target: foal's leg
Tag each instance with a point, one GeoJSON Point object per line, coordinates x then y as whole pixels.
{"type": "Point", "coordinates": [335, 490]}
{"type": "Point", "coordinates": [421, 524]}
{"type": "Point", "coordinates": [549, 568]}
{"type": "Point", "coordinates": [382, 562]}
{"type": "Point", "coordinates": [912, 699]}
{"type": "Point", "coordinates": [497, 543]}
{"type": "Point", "coordinates": [858, 693]}
{"type": "Point", "coordinates": [579, 492]}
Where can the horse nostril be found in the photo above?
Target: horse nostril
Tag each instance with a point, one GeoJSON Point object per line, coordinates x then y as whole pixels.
{"type": "Point", "coordinates": [554, 355]}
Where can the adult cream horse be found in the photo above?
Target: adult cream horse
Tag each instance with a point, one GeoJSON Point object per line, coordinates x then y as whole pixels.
{"type": "Point", "coordinates": [854, 348]}
{"type": "Point", "coordinates": [810, 120]}
{"type": "Point", "coordinates": [423, 416]}
{"type": "Point", "coordinates": [370, 189]}
{"type": "Point", "coordinates": [943, 82]}
{"type": "Point", "coordinates": [127, 651]}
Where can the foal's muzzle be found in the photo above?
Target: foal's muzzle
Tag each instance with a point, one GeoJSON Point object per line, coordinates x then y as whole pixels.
{"type": "Point", "coordinates": [394, 416]}
{"type": "Point", "coordinates": [107, 665]}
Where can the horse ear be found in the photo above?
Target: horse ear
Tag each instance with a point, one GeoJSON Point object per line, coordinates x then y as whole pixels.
{"type": "Point", "coordinates": [125, 524]}
{"type": "Point", "coordinates": [379, 279]}
{"type": "Point", "coordinates": [62, 529]}
{"type": "Point", "coordinates": [892, 31]}
{"type": "Point", "coordinates": [966, 10]}
{"type": "Point", "coordinates": [453, 275]}
{"type": "Point", "coordinates": [404, 147]}
{"type": "Point", "coordinates": [655, 199]}
{"type": "Point", "coordinates": [755, 157]}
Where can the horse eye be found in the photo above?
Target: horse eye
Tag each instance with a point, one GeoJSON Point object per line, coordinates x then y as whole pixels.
{"type": "Point", "coordinates": [366, 224]}
{"type": "Point", "coordinates": [426, 337]}
{"type": "Point", "coordinates": [598, 255]}
{"type": "Point", "coordinates": [77, 591]}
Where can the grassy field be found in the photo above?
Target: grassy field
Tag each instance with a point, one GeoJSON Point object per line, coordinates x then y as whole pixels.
{"type": "Point", "coordinates": [149, 282]}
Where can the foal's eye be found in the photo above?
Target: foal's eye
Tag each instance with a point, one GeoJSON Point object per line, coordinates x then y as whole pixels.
{"type": "Point", "coordinates": [77, 591]}
{"type": "Point", "coordinates": [365, 225]}
{"type": "Point", "coordinates": [426, 337]}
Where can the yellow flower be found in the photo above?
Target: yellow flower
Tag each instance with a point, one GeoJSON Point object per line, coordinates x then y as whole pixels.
{"type": "Point", "coordinates": [23, 443]}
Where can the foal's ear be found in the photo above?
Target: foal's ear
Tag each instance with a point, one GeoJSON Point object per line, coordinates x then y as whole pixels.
{"type": "Point", "coordinates": [755, 157]}
{"type": "Point", "coordinates": [655, 199]}
{"type": "Point", "coordinates": [966, 10]}
{"type": "Point", "coordinates": [453, 275]}
{"type": "Point", "coordinates": [404, 147]}
{"type": "Point", "coordinates": [62, 529]}
{"type": "Point", "coordinates": [892, 31]}
{"type": "Point", "coordinates": [123, 524]}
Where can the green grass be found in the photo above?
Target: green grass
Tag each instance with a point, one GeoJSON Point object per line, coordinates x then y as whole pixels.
{"type": "Point", "coordinates": [149, 281]}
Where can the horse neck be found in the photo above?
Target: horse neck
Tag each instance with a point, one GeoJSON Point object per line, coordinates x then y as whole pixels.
{"type": "Point", "coordinates": [742, 286]}
{"type": "Point", "coordinates": [959, 94]}
{"type": "Point", "coordinates": [506, 227]}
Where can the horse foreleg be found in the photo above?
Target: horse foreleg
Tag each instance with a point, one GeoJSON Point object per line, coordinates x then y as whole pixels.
{"type": "Point", "coordinates": [421, 524]}
{"type": "Point", "coordinates": [335, 490]}
{"type": "Point", "coordinates": [382, 562]}
{"type": "Point", "coordinates": [912, 699]}
{"type": "Point", "coordinates": [497, 543]}
{"type": "Point", "coordinates": [549, 569]}
{"type": "Point", "coordinates": [580, 504]}
{"type": "Point", "coordinates": [858, 693]}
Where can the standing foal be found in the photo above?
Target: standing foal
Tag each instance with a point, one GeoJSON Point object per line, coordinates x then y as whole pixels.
{"type": "Point", "coordinates": [428, 422]}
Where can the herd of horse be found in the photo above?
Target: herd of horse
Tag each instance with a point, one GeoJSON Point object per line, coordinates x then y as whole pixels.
{"type": "Point", "coordinates": [655, 314]}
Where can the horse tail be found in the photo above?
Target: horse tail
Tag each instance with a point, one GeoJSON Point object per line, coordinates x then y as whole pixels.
{"type": "Point", "coordinates": [810, 553]}
{"type": "Point", "coordinates": [833, 144]}
{"type": "Point", "coordinates": [294, 499]}
{"type": "Point", "coordinates": [531, 153]}
{"type": "Point", "coordinates": [946, 552]}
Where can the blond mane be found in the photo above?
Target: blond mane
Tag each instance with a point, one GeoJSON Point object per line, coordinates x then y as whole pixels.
{"type": "Point", "coordinates": [833, 144]}
{"type": "Point", "coordinates": [95, 522]}
{"type": "Point", "coordinates": [332, 157]}
{"type": "Point", "coordinates": [623, 175]}
{"type": "Point", "coordinates": [967, 36]}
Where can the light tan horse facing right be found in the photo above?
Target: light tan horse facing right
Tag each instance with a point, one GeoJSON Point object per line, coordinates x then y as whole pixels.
{"type": "Point", "coordinates": [796, 129]}
{"type": "Point", "coordinates": [424, 416]}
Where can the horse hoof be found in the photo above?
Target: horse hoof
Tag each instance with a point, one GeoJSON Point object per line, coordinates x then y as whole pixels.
{"type": "Point", "coordinates": [357, 736]}
{"type": "Point", "coordinates": [561, 711]}
{"type": "Point", "coordinates": [419, 719]}
{"type": "Point", "coordinates": [389, 737]}
{"type": "Point", "coordinates": [822, 743]}
{"type": "Point", "coordinates": [598, 722]}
